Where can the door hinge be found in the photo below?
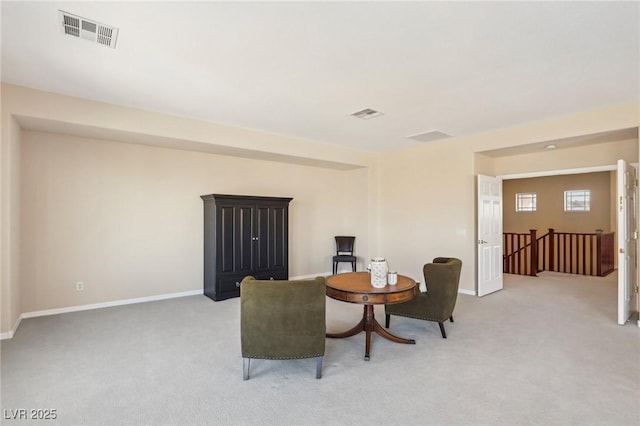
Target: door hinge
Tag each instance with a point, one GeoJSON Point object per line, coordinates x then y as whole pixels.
{"type": "Point", "coordinates": [636, 289]}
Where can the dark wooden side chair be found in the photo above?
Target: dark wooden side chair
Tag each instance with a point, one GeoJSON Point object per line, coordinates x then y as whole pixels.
{"type": "Point", "coordinates": [442, 278]}
{"type": "Point", "coordinates": [344, 252]}
{"type": "Point", "coordinates": [282, 320]}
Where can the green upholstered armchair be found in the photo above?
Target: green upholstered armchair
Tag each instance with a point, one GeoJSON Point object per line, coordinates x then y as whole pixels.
{"type": "Point", "coordinates": [442, 278]}
{"type": "Point", "coordinates": [282, 320]}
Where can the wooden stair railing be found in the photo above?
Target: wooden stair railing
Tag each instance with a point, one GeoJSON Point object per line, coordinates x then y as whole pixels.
{"type": "Point", "coordinates": [520, 254]}
{"type": "Point", "coordinates": [568, 252]}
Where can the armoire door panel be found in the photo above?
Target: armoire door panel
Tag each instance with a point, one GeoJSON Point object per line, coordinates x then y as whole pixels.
{"type": "Point", "coordinates": [243, 239]}
{"type": "Point", "coordinates": [261, 243]}
{"type": "Point", "coordinates": [226, 239]}
{"type": "Point", "coordinates": [278, 251]}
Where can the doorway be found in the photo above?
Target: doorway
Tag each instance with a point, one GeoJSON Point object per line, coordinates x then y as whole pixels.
{"type": "Point", "coordinates": [612, 207]}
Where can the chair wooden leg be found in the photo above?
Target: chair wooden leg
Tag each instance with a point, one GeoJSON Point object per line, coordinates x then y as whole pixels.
{"type": "Point", "coordinates": [451, 318]}
{"type": "Point", "coordinates": [245, 368]}
{"type": "Point", "coordinates": [335, 267]}
{"type": "Point", "coordinates": [319, 367]}
{"type": "Point", "coordinates": [387, 320]}
{"type": "Point", "coordinates": [353, 266]}
{"type": "Point", "coordinates": [444, 335]}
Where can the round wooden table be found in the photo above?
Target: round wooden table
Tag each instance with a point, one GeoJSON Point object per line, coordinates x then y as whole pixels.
{"type": "Point", "coordinates": [355, 287]}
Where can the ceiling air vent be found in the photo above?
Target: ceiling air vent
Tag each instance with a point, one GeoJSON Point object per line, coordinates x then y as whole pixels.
{"type": "Point", "coordinates": [430, 136]}
{"type": "Point", "coordinates": [87, 29]}
{"type": "Point", "coordinates": [367, 113]}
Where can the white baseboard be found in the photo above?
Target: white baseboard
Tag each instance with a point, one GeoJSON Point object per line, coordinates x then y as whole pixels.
{"type": "Point", "coordinates": [110, 304]}
{"type": "Point", "coordinates": [469, 292]}
{"type": "Point", "coordinates": [34, 314]}
{"type": "Point", "coordinates": [310, 277]}
{"type": "Point", "coordinates": [9, 334]}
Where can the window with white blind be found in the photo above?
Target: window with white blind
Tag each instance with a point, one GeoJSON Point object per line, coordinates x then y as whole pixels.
{"type": "Point", "coordinates": [578, 200]}
{"type": "Point", "coordinates": [526, 202]}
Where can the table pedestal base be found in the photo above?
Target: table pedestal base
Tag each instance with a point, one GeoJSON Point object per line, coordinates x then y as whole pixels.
{"type": "Point", "coordinates": [368, 324]}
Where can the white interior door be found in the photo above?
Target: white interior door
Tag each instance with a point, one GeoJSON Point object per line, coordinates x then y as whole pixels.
{"type": "Point", "coordinates": [489, 234]}
{"type": "Point", "coordinates": [626, 240]}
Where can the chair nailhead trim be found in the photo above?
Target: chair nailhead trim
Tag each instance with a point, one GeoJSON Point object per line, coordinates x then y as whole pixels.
{"type": "Point", "coordinates": [289, 357]}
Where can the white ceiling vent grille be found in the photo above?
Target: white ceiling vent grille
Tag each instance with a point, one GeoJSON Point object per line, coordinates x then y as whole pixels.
{"type": "Point", "coordinates": [367, 113]}
{"type": "Point", "coordinates": [87, 29]}
{"type": "Point", "coordinates": [430, 136]}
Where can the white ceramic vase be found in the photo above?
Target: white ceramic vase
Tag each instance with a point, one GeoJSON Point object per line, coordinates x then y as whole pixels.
{"type": "Point", "coordinates": [378, 272]}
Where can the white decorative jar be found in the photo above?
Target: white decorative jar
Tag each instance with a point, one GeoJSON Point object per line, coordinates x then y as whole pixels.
{"type": "Point", "coordinates": [378, 272]}
{"type": "Point", "coordinates": [392, 278]}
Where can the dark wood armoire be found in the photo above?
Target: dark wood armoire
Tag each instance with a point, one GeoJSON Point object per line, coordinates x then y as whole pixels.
{"type": "Point", "coordinates": [244, 235]}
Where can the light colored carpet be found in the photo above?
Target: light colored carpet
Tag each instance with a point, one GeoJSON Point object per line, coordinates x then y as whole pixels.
{"type": "Point", "coordinates": [543, 351]}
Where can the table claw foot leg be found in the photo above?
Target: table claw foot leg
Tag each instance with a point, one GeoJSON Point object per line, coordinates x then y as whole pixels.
{"type": "Point", "coordinates": [351, 332]}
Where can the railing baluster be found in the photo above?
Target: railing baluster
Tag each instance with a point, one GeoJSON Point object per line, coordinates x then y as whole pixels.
{"type": "Point", "coordinates": [599, 252]}
{"type": "Point", "coordinates": [541, 264]}
{"type": "Point", "coordinates": [574, 258]}
{"type": "Point", "coordinates": [519, 262]}
{"type": "Point", "coordinates": [525, 255]}
{"type": "Point", "coordinates": [505, 253]}
{"type": "Point", "coordinates": [584, 257]}
{"type": "Point", "coordinates": [513, 245]}
{"type": "Point", "coordinates": [533, 256]}
{"type": "Point", "coordinates": [552, 250]}
{"type": "Point", "coordinates": [591, 253]}
{"type": "Point", "coordinates": [558, 251]}
{"type": "Point", "coordinates": [541, 255]}
{"type": "Point", "coordinates": [566, 253]}
{"type": "Point", "coordinates": [518, 265]}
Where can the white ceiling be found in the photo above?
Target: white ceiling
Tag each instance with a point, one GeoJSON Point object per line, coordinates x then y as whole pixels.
{"type": "Point", "coordinates": [301, 69]}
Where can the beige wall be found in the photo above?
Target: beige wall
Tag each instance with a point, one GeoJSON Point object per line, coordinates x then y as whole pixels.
{"type": "Point", "coordinates": [10, 224]}
{"type": "Point", "coordinates": [408, 206]}
{"type": "Point", "coordinates": [550, 204]}
{"type": "Point", "coordinates": [484, 165]}
{"type": "Point", "coordinates": [427, 209]}
{"type": "Point", "coordinates": [127, 219]}
{"type": "Point", "coordinates": [356, 219]}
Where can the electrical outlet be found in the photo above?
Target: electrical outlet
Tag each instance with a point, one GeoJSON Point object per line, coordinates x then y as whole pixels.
{"type": "Point", "coordinates": [79, 286]}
